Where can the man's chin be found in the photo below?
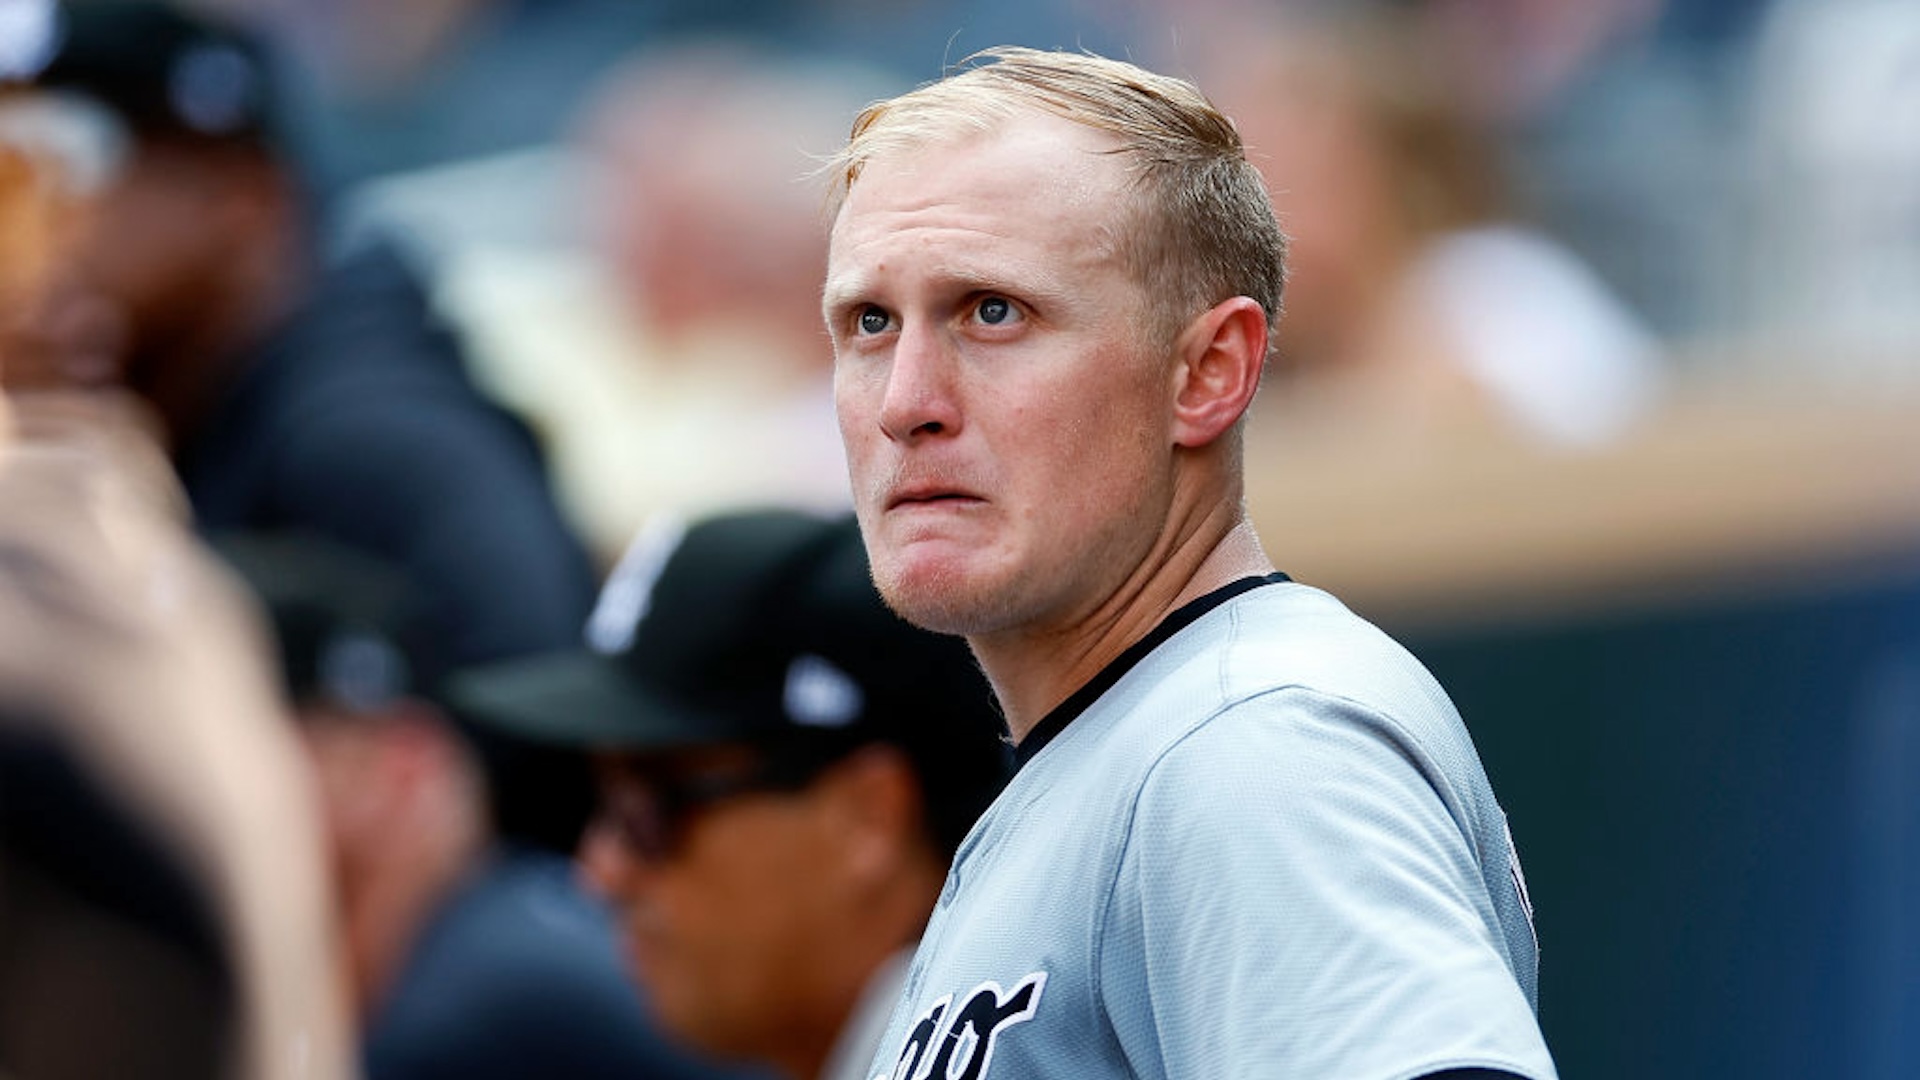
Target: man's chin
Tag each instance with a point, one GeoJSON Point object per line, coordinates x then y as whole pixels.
{"type": "Point", "coordinates": [644, 965]}
{"type": "Point", "coordinates": [704, 1029]}
{"type": "Point", "coordinates": [946, 604]}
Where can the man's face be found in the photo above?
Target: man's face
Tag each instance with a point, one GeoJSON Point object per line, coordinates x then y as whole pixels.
{"type": "Point", "coordinates": [1007, 417]}
{"type": "Point", "coordinates": [143, 270]}
{"type": "Point", "coordinates": [718, 884]}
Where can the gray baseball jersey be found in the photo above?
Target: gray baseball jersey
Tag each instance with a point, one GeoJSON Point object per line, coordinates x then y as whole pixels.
{"type": "Point", "coordinates": [1264, 846]}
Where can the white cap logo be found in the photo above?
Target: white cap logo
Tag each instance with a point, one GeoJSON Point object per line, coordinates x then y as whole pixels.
{"type": "Point", "coordinates": [624, 600]}
{"type": "Point", "coordinates": [28, 35]}
{"type": "Point", "coordinates": [819, 694]}
{"type": "Point", "coordinates": [363, 671]}
{"type": "Point", "coordinates": [213, 88]}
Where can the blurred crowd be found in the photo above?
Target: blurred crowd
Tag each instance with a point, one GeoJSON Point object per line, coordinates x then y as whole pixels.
{"type": "Point", "coordinates": [389, 387]}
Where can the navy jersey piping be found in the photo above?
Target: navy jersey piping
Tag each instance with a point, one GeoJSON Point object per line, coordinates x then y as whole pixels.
{"type": "Point", "coordinates": [1064, 713]}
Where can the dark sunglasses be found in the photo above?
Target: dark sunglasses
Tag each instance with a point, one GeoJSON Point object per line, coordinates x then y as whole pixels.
{"type": "Point", "coordinates": [650, 810]}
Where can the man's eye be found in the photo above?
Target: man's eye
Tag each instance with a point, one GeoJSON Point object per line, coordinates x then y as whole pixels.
{"type": "Point", "coordinates": [873, 320]}
{"type": "Point", "coordinates": [994, 310]}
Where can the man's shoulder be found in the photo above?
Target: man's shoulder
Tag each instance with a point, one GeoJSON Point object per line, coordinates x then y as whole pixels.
{"type": "Point", "coordinates": [1268, 678]}
{"type": "Point", "coordinates": [1285, 639]}
{"type": "Point", "coordinates": [360, 372]}
{"type": "Point", "coordinates": [1299, 636]}
{"type": "Point", "coordinates": [1272, 677]}
{"type": "Point", "coordinates": [518, 970]}
{"type": "Point", "coordinates": [518, 934]}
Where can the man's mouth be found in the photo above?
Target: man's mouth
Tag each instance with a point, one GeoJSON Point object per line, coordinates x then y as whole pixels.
{"type": "Point", "coordinates": [928, 495]}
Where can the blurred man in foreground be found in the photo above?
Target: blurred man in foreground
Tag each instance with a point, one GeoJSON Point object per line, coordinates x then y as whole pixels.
{"type": "Point", "coordinates": [162, 904]}
{"type": "Point", "coordinates": [786, 770]}
{"type": "Point", "coordinates": [160, 874]}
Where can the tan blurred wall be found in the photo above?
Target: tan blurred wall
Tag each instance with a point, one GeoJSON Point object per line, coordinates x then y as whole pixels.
{"type": "Point", "coordinates": [1719, 491]}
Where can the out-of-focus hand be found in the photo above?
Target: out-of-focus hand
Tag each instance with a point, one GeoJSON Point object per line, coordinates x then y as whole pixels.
{"type": "Point", "coordinates": [62, 339]}
{"type": "Point", "coordinates": [114, 432]}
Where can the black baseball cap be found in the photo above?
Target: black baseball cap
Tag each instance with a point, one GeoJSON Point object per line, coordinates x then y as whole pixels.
{"type": "Point", "coordinates": [355, 634]}
{"type": "Point", "coordinates": [760, 627]}
{"type": "Point", "coordinates": [165, 72]}
{"type": "Point", "coordinates": [350, 627]}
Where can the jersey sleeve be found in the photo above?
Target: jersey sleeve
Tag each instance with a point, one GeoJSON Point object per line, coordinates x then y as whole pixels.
{"type": "Point", "coordinates": [1295, 898]}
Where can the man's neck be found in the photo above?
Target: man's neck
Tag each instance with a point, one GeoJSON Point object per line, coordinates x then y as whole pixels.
{"type": "Point", "coordinates": [1035, 669]}
{"type": "Point", "coordinates": [412, 878]}
{"type": "Point", "coordinates": [830, 1036]}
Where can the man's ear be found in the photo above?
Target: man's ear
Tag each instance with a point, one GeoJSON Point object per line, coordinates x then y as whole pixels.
{"type": "Point", "coordinates": [1221, 355]}
{"type": "Point", "coordinates": [874, 800]}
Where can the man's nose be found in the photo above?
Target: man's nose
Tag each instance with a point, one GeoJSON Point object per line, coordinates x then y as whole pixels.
{"type": "Point", "coordinates": [606, 866]}
{"type": "Point", "coordinates": [921, 398]}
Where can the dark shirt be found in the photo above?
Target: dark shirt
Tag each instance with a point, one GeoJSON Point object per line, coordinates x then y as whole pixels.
{"type": "Point", "coordinates": [356, 421]}
{"type": "Point", "coordinates": [518, 976]}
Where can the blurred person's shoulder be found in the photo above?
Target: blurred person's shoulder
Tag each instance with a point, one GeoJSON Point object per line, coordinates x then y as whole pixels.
{"type": "Point", "coordinates": [519, 974]}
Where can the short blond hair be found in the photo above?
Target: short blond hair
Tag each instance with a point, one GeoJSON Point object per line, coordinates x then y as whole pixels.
{"type": "Point", "coordinates": [1201, 229]}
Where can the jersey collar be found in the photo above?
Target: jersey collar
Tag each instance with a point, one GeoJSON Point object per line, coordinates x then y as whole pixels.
{"type": "Point", "coordinates": [1063, 714]}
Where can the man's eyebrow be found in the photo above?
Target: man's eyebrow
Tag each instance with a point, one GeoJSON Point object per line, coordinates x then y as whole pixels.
{"type": "Point", "coordinates": [839, 292]}
{"type": "Point", "coordinates": [1026, 285]}
{"type": "Point", "coordinates": [1030, 284]}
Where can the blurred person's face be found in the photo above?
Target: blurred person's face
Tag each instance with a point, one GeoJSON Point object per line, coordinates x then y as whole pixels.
{"type": "Point", "coordinates": [702, 248]}
{"type": "Point", "coordinates": [25, 232]}
{"type": "Point", "coordinates": [153, 248]}
{"type": "Point", "coordinates": [21, 253]}
{"type": "Point", "coordinates": [150, 275]}
{"type": "Point", "coordinates": [1007, 418]}
{"type": "Point", "coordinates": [1307, 133]}
{"type": "Point", "coordinates": [401, 806]}
{"type": "Point", "coordinates": [37, 217]}
{"type": "Point", "coordinates": [344, 756]}
{"type": "Point", "coordinates": [723, 879]}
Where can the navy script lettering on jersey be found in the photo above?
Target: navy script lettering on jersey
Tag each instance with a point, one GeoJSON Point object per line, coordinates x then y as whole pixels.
{"type": "Point", "coordinates": [957, 1043]}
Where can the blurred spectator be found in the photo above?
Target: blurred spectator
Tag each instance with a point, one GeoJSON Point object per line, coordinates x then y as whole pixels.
{"type": "Point", "coordinates": [387, 88]}
{"type": "Point", "coordinates": [25, 210]}
{"type": "Point", "coordinates": [786, 771]}
{"type": "Point", "coordinates": [1511, 59]}
{"type": "Point", "coordinates": [160, 876]}
{"type": "Point", "coordinates": [53, 152]}
{"type": "Point", "coordinates": [1417, 302]}
{"type": "Point", "coordinates": [677, 360]}
{"type": "Point", "coordinates": [380, 88]}
{"type": "Point", "coordinates": [1622, 123]}
{"type": "Point", "coordinates": [33, 207]}
{"type": "Point", "coordinates": [917, 39]}
{"type": "Point", "coordinates": [1834, 275]}
{"type": "Point", "coordinates": [470, 957]}
{"type": "Point", "coordinates": [292, 395]}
